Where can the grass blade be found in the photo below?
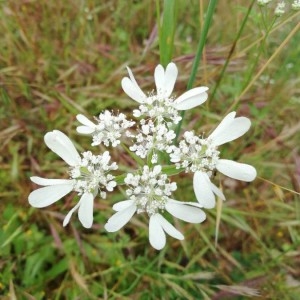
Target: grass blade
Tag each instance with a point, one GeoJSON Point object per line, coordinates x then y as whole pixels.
{"type": "Point", "coordinates": [167, 28]}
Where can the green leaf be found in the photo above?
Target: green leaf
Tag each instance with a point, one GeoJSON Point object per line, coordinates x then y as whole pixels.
{"type": "Point", "coordinates": [171, 170]}
{"type": "Point", "coordinates": [167, 28]}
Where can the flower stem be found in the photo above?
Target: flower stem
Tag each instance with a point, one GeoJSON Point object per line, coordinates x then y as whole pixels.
{"type": "Point", "coordinates": [231, 51]}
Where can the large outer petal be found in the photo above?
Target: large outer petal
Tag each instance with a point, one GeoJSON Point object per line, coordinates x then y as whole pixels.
{"type": "Point", "coordinates": [132, 89]}
{"type": "Point", "coordinates": [169, 228]}
{"type": "Point", "coordinates": [185, 212]}
{"type": "Point", "coordinates": [122, 205]}
{"type": "Point", "coordinates": [229, 131]}
{"type": "Point", "coordinates": [85, 130]}
{"type": "Point", "coordinates": [88, 128]}
{"type": "Point", "coordinates": [60, 144]}
{"type": "Point", "coordinates": [85, 121]}
{"type": "Point", "coordinates": [165, 80]}
{"type": "Point", "coordinates": [157, 236]}
{"type": "Point", "coordinates": [46, 181]}
{"type": "Point", "coordinates": [159, 77]}
{"type": "Point", "coordinates": [48, 195]}
{"type": "Point", "coordinates": [203, 191]}
{"type": "Point", "coordinates": [236, 170]}
{"type": "Point", "coordinates": [226, 120]}
{"type": "Point", "coordinates": [69, 214]}
{"type": "Point", "coordinates": [120, 218]}
{"type": "Point", "coordinates": [85, 211]}
{"type": "Point", "coordinates": [195, 204]}
{"type": "Point", "coordinates": [191, 98]}
{"type": "Point", "coordinates": [217, 191]}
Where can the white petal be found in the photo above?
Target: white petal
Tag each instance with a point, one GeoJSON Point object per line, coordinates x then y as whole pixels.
{"type": "Point", "coordinates": [191, 98]}
{"type": "Point", "coordinates": [85, 211]}
{"type": "Point", "coordinates": [69, 214]}
{"type": "Point", "coordinates": [132, 78]}
{"type": "Point", "coordinates": [88, 128]}
{"type": "Point", "coordinates": [157, 236]}
{"type": "Point", "coordinates": [85, 121]}
{"type": "Point", "coordinates": [236, 170]}
{"type": "Point", "coordinates": [85, 130]}
{"type": "Point", "coordinates": [159, 77]}
{"type": "Point", "coordinates": [157, 169]}
{"type": "Point", "coordinates": [122, 205]}
{"type": "Point", "coordinates": [60, 144]}
{"type": "Point", "coordinates": [46, 181]}
{"type": "Point", "coordinates": [195, 204]}
{"type": "Point", "coordinates": [169, 228]}
{"type": "Point", "coordinates": [120, 218]}
{"type": "Point", "coordinates": [202, 189]}
{"type": "Point", "coordinates": [185, 212]}
{"type": "Point", "coordinates": [170, 78]}
{"type": "Point", "coordinates": [165, 80]}
{"type": "Point", "coordinates": [132, 89]}
{"type": "Point", "coordinates": [231, 131]}
{"type": "Point", "coordinates": [47, 195]}
{"type": "Point", "coordinates": [217, 191]}
{"type": "Point", "coordinates": [226, 120]}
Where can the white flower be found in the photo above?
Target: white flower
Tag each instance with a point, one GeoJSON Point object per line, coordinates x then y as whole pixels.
{"type": "Point", "coordinates": [296, 5]}
{"type": "Point", "coordinates": [150, 192]}
{"type": "Point", "coordinates": [263, 2]}
{"type": "Point", "coordinates": [161, 105]}
{"type": "Point", "coordinates": [152, 138]}
{"type": "Point", "coordinates": [201, 156]}
{"type": "Point", "coordinates": [108, 130]}
{"type": "Point", "coordinates": [280, 9]}
{"type": "Point", "coordinates": [87, 178]}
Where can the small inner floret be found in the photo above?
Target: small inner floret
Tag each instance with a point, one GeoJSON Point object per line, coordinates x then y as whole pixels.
{"type": "Point", "coordinates": [91, 176]}
{"type": "Point", "coordinates": [150, 190]}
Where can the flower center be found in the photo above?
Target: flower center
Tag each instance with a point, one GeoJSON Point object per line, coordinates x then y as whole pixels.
{"type": "Point", "coordinates": [90, 175]}
{"type": "Point", "coordinates": [152, 138]}
{"type": "Point", "coordinates": [150, 190]}
{"type": "Point", "coordinates": [195, 154]}
{"type": "Point", "coordinates": [160, 108]}
{"type": "Point", "coordinates": [110, 129]}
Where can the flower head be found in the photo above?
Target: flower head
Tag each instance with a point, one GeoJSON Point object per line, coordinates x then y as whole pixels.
{"type": "Point", "coordinates": [296, 5]}
{"type": "Point", "coordinates": [201, 156]}
{"type": "Point", "coordinates": [89, 175]}
{"type": "Point", "coordinates": [263, 2]}
{"type": "Point", "coordinates": [161, 105]}
{"type": "Point", "coordinates": [280, 9]}
{"type": "Point", "coordinates": [152, 138]}
{"type": "Point", "coordinates": [150, 192]}
{"type": "Point", "coordinates": [108, 130]}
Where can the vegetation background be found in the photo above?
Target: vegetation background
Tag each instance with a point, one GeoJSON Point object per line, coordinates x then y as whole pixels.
{"type": "Point", "coordinates": [60, 58]}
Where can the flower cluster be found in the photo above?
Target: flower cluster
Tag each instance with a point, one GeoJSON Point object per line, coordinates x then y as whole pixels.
{"type": "Point", "coordinates": [88, 177]}
{"type": "Point", "coordinates": [150, 192]}
{"type": "Point", "coordinates": [151, 139]}
{"type": "Point", "coordinates": [108, 130]}
{"type": "Point", "coordinates": [201, 157]}
{"type": "Point", "coordinates": [148, 189]}
{"type": "Point", "coordinates": [281, 7]}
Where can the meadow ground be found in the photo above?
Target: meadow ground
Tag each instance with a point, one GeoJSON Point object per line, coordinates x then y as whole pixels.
{"type": "Point", "coordinates": [61, 58]}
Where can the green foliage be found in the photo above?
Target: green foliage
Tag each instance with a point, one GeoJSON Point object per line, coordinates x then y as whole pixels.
{"type": "Point", "coordinates": [60, 58]}
{"type": "Point", "coordinates": [167, 27]}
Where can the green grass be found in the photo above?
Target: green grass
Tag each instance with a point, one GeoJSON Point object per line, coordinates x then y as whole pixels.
{"type": "Point", "coordinates": [60, 58]}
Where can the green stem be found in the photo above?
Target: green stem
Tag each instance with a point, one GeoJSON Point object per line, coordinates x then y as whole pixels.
{"type": "Point", "coordinates": [260, 50]}
{"type": "Point", "coordinates": [231, 51]}
{"type": "Point", "coordinates": [139, 160]}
